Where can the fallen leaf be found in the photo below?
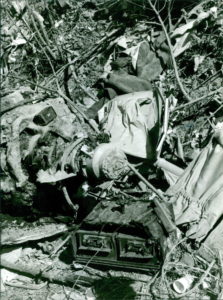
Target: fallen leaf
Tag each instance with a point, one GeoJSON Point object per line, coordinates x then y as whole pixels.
{"type": "Point", "coordinates": [19, 6]}
{"type": "Point", "coordinates": [198, 59]}
{"type": "Point", "coordinates": [18, 42]}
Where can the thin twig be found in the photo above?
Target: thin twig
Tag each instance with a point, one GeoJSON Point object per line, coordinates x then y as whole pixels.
{"type": "Point", "coordinates": [27, 286]}
{"type": "Point", "coordinates": [169, 15]}
{"type": "Point", "coordinates": [83, 59]}
{"type": "Point", "coordinates": [90, 260]}
{"type": "Point", "coordinates": [184, 266]}
{"type": "Point", "coordinates": [188, 98]}
{"type": "Point", "coordinates": [221, 274]}
{"type": "Point", "coordinates": [181, 107]}
{"type": "Point", "coordinates": [69, 202]}
{"type": "Point", "coordinates": [80, 85]}
{"type": "Point", "coordinates": [209, 79]}
{"type": "Point", "coordinates": [167, 258]}
{"type": "Point", "coordinates": [24, 102]}
{"type": "Point", "coordinates": [60, 246]}
{"type": "Point", "coordinates": [52, 67]}
{"type": "Point", "coordinates": [45, 35]}
{"type": "Point", "coordinates": [39, 34]}
{"type": "Point", "coordinates": [33, 83]}
{"type": "Point", "coordinates": [85, 267]}
{"type": "Point", "coordinates": [150, 186]}
{"type": "Point", "coordinates": [159, 209]}
{"type": "Point", "coordinates": [70, 103]}
{"type": "Point", "coordinates": [203, 277]}
{"type": "Point", "coordinates": [211, 116]}
{"type": "Point", "coordinates": [165, 128]}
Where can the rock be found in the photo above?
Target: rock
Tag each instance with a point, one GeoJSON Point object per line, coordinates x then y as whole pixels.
{"type": "Point", "coordinates": [11, 255]}
{"type": "Point", "coordinates": [10, 100]}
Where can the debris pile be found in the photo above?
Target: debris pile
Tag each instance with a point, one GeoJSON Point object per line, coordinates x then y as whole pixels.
{"type": "Point", "coordinates": [112, 150]}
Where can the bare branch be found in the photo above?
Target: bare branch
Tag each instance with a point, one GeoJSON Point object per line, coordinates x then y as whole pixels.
{"type": "Point", "coordinates": [189, 99]}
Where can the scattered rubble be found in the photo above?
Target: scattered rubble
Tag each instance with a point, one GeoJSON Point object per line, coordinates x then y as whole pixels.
{"type": "Point", "coordinates": [111, 150]}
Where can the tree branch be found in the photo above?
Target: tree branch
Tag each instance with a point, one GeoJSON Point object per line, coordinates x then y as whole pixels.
{"type": "Point", "coordinates": [188, 98]}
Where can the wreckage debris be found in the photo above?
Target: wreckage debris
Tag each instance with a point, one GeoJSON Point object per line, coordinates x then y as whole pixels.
{"type": "Point", "coordinates": [183, 284]}
{"type": "Point", "coordinates": [111, 156]}
{"type": "Point", "coordinates": [109, 162]}
{"type": "Point", "coordinates": [198, 192]}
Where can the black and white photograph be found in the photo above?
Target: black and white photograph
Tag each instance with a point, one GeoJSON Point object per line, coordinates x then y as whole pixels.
{"type": "Point", "coordinates": [111, 151]}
